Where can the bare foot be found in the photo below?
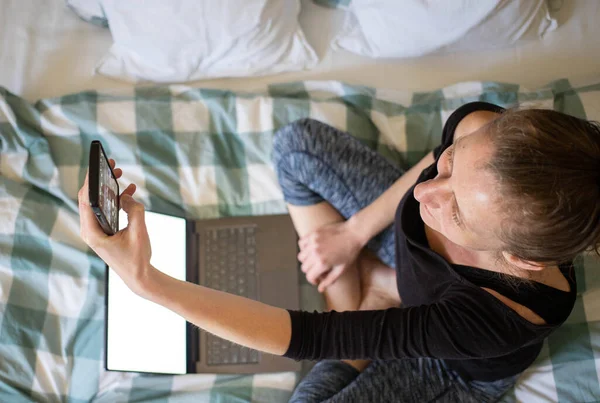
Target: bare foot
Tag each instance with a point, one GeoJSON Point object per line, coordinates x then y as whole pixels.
{"type": "Point", "coordinates": [378, 289]}
{"type": "Point", "coordinates": [344, 294]}
{"type": "Point", "coordinates": [378, 283]}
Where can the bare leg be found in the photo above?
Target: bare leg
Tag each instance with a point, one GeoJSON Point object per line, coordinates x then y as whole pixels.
{"type": "Point", "coordinates": [379, 291]}
{"type": "Point", "coordinates": [344, 294]}
{"type": "Point", "coordinates": [378, 283]}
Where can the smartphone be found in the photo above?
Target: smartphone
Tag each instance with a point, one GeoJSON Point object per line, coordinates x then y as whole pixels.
{"type": "Point", "coordinates": [104, 189]}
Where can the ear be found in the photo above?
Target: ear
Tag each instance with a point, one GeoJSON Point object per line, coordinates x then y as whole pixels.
{"type": "Point", "coordinates": [522, 264]}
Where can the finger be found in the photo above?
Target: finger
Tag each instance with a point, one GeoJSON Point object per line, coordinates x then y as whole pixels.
{"type": "Point", "coordinates": [90, 229]}
{"type": "Point", "coordinates": [305, 267]}
{"type": "Point", "coordinates": [303, 254]}
{"type": "Point", "coordinates": [331, 277]}
{"type": "Point", "coordinates": [309, 261]}
{"type": "Point", "coordinates": [312, 276]}
{"type": "Point", "coordinates": [315, 272]}
{"type": "Point", "coordinates": [130, 190]}
{"type": "Point", "coordinates": [135, 211]}
{"type": "Point", "coordinates": [86, 181]}
{"type": "Point", "coordinates": [112, 163]}
{"type": "Point", "coordinates": [306, 240]}
{"type": "Point", "coordinates": [118, 172]}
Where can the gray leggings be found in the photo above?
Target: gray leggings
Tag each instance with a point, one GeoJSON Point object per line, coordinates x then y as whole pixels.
{"type": "Point", "coordinates": [314, 163]}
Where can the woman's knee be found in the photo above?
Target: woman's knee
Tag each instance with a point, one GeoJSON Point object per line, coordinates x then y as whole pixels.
{"type": "Point", "coordinates": [324, 381]}
{"type": "Point", "coordinates": [296, 136]}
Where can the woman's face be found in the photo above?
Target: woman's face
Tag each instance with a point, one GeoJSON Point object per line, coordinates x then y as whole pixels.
{"type": "Point", "coordinates": [462, 201]}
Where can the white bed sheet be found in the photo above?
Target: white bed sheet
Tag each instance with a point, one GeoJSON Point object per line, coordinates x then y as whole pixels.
{"type": "Point", "coordinates": [46, 51]}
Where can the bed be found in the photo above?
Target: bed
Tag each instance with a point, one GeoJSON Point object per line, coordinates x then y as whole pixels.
{"type": "Point", "coordinates": [51, 285]}
{"type": "Point", "coordinates": [46, 51]}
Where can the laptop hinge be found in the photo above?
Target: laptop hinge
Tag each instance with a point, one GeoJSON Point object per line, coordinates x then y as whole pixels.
{"type": "Point", "coordinates": [191, 275]}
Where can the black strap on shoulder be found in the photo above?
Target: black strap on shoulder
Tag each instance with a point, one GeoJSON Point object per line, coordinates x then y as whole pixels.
{"type": "Point", "coordinates": [552, 304]}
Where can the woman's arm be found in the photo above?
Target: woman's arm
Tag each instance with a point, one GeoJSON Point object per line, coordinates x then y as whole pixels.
{"type": "Point", "coordinates": [128, 253]}
{"type": "Point", "coordinates": [340, 243]}
{"type": "Point", "coordinates": [240, 320]}
{"type": "Point", "coordinates": [467, 323]}
{"type": "Point", "coordinates": [378, 215]}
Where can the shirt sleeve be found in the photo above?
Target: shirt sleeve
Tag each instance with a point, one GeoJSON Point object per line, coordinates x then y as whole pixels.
{"type": "Point", "coordinates": [465, 325]}
{"type": "Point", "coordinates": [455, 118]}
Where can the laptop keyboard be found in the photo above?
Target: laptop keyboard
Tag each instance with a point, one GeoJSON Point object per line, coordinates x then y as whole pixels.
{"type": "Point", "coordinates": [223, 352]}
{"type": "Point", "coordinates": [230, 266]}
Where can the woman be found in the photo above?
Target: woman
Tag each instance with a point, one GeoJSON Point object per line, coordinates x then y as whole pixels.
{"type": "Point", "coordinates": [467, 267]}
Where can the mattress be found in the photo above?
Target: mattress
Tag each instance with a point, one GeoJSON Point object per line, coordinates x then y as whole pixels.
{"type": "Point", "coordinates": [211, 159]}
{"type": "Point", "coordinates": [47, 51]}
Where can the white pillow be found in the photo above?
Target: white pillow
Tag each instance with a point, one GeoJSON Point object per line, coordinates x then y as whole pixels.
{"type": "Point", "coordinates": [89, 10]}
{"type": "Point", "coordinates": [511, 21]}
{"type": "Point", "coordinates": [182, 40]}
{"type": "Point", "coordinates": [408, 28]}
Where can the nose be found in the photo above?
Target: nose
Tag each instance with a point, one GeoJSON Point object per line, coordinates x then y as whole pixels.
{"type": "Point", "coordinates": [433, 192]}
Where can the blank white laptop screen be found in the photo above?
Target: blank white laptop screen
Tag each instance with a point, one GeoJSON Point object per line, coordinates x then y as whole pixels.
{"type": "Point", "coordinates": [141, 335]}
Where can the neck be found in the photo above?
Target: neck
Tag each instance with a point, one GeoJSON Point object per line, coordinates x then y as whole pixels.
{"type": "Point", "coordinates": [490, 260]}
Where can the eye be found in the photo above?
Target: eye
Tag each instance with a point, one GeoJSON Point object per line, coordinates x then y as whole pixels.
{"type": "Point", "coordinates": [450, 159]}
{"type": "Point", "coordinates": [455, 216]}
{"type": "Point", "coordinates": [450, 151]}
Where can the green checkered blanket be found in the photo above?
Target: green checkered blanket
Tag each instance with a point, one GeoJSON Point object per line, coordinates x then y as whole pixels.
{"type": "Point", "coordinates": [206, 153]}
{"type": "Point", "coordinates": [333, 3]}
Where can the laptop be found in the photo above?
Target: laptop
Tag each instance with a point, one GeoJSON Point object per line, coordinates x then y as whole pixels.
{"type": "Point", "coordinates": [253, 257]}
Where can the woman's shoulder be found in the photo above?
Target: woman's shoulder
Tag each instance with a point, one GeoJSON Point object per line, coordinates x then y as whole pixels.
{"type": "Point", "coordinates": [540, 303]}
{"type": "Point", "coordinates": [492, 306]}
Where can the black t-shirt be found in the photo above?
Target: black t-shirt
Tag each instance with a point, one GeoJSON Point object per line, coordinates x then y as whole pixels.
{"type": "Point", "coordinates": [444, 314]}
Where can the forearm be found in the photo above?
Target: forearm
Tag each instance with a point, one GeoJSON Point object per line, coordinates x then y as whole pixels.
{"type": "Point", "coordinates": [241, 320]}
{"type": "Point", "coordinates": [380, 214]}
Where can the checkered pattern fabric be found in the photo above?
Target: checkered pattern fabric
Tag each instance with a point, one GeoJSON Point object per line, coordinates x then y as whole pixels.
{"type": "Point", "coordinates": [89, 10]}
{"type": "Point", "coordinates": [344, 4]}
{"type": "Point", "coordinates": [206, 153]}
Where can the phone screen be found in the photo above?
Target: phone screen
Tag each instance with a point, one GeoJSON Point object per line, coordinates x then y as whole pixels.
{"type": "Point", "coordinates": [108, 192]}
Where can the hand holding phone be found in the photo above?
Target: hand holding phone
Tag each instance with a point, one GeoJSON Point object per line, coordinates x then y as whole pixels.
{"type": "Point", "coordinates": [127, 251]}
{"type": "Point", "coordinates": [103, 190]}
